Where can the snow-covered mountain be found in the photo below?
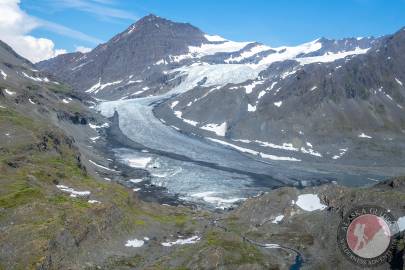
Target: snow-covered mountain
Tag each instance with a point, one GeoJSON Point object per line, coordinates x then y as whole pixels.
{"type": "Point", "coordinates": [154, 51]}
{"type": "Point", "coordinates": [325, 100]}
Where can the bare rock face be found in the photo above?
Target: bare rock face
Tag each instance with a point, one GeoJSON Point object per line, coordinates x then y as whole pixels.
{"type": "Point", "coordinates": [132, 52]}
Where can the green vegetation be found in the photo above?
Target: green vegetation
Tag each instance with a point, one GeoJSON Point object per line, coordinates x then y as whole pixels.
{"type": "Point", "coordinates": [60, 88]}
{"type": "Point", "coordinates": [237, 252]}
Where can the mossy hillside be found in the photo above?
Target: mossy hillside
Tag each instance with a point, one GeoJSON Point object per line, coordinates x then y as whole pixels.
{"type": "Point", "coordinates": [40, 157]}
{"type": "Point", "coordinates": [34, 211]}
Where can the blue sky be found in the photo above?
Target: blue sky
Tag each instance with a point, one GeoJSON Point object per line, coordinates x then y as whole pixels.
{"type": "Point", "coordinates": [273, 22]}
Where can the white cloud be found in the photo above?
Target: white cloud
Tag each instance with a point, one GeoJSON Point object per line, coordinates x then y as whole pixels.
{"type": "Point", "coordinates": [83, 49]}
{"type": "Point", "coordinates": [15, 28]}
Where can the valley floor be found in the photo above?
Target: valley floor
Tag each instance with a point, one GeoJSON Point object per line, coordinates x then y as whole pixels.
{"type": "Point", "coordinates": [202, 171]}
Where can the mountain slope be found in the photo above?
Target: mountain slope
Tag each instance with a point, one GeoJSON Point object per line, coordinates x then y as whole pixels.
{"type": "Point", "coordinates": [331, 108]}
{"type": "Point", "coordinates": [128, 53]}
{"type": "Point", "coordinates": [143, 57]}
{"type": "Point", "coordinates": [58, 210]}
{"type": "Point", "coordinates": [324, 101]}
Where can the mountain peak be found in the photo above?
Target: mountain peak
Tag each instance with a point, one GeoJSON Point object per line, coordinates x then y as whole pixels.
{"type": "Point", "coordinates": [150, 18]}
{"type": "Point", "coordinates": [153, 22]}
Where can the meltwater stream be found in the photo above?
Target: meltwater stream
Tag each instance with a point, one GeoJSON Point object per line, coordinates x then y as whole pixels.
{"type": "Point", "coordinates": [194, 168]}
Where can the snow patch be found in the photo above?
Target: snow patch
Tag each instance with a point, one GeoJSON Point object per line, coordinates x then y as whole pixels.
{"type": "Point", "coordinates": [249, 88]}
{"type": "Point", "coordinates": [219, 129]}
{"type": "Point", "coordinates": [261, 94]}
{"type": "Point", "coordinates": [101, 166]}
{"type": "Point", "coordinates": [99, 86]}
{"type": "Point", "coordinates": [187, 241]}
{"type": "Point", "coordinates": [66, 101]}
{"type": "Point", "coordinates": [37, 79]}
{"type": "Point", "coordinates": [174, 104]}
{"type": "Point", "coordinates": [248, 53]}
{"type": "Point", "coordinates": [253, 152]}
{"type": "Point", "coordinates": [93, 201]}
{"type": "Point", "coordinates": [273, 157]}
{"type": "Point", "coordinates": [330, 57]}
{"type": "Point", "coordinates": [136, 181]}
{"type": "Point", "coordinates": [285, 53]}
{"type": "Point", "coordinates": [278, 219]}
{"type": "Point", "coordinates": [398, 81]}
{"type": "Point", "coordinates": [365, 136]}
{"type": "Point", "coordinates": [190, 122]}
{"type": "Point", "coordinates": [3, 74]}
{"type": "Point", "coordinates": [278, 103]}
{"type": "Point", "coordinates": [310, 151]}
{"type": "Point", "coordinates": [241, 149]}
{"type": "Point", "coordinates": [220, 202]}
{"type": "Point", "coordinates": [284, 146]}
{"type": "Point", "coordinates": [10, 93]}
{"type": "Point", "coordinates": [93, 139]}
{"type": "Point", "coordinates": [73, 193]}
{"type": "Point", "coordinates": [214, 38]}
{"type": "Point", "coordinates": [135, 243]}
{"type": "Point", "coordinates": [251, 108]}
{"type": "Point", "coordinates": [140, 162]}
{"type": "Point", "coordinates": [211, 49]}
{"type": "Point", "coordinates": [272, 85]}
{"type": "Point", "coordinates": [105, 125]}
{"type": "Point", "coordinates": [342, 151]}
{"type": "Point", "coordinates": [272, 246]}
{"type": "Point", "coordinates": [310, 202]}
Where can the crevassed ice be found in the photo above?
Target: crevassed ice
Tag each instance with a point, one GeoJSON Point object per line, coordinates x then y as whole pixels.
{"type": "Point", "coordinates": [217, 75]}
